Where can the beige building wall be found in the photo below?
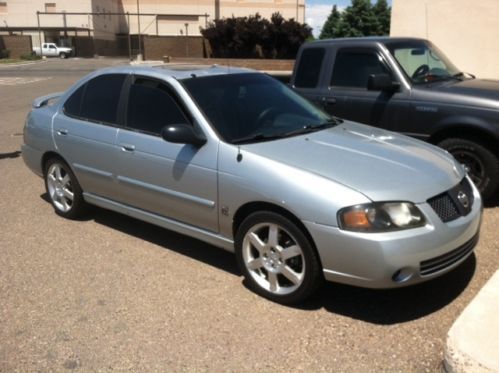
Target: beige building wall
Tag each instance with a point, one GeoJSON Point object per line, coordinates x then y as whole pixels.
{"type": "Point", "coordinates": [466, 31]}
{"type": "Point", "coordinates": [174, 15]}
{"type": "Point", "coordinates": [22, 13]}
{"type": "Point", "coordinates": [191, 11]}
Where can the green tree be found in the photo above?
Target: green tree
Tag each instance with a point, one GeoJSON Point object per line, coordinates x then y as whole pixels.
{"type": "Point", "coordinates": [332, 25]}
{"type": "Point", "coordinates": [361, 18]}
{"type": "Point", "coordinates": [382, 13]}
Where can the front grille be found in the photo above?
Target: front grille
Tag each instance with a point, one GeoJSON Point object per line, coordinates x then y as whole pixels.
{"type": "Point", "coordinates": [430, 266]}
{"type": "Point", "coordinates": [454, 203]}
{"type": "Point", "coordinates": [444, 207]}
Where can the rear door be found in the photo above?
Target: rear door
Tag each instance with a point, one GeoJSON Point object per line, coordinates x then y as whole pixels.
{"type": "Point", "coordinates": [85, 132]}
{"type": "Point", "coordinates": [177, 181]}
{"type": "Point", "coordinates": [308, 74]}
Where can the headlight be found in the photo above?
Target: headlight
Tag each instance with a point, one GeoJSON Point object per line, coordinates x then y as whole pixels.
{"type": "Point", "coordinates": [381, 217]}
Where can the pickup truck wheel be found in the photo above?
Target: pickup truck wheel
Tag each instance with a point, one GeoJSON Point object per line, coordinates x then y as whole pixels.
{"type": "Point", "coordinates": [64, 190]}
{"type": "Point", "coordinates": [276, 258]}
{"type": "Point", "coordinates": [481, 164]}
{"type": "Point", "coordinates": [63, 55]}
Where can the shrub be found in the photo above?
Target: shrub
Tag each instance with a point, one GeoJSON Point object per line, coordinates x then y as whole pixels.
{"type": "Point", "coordinates": [4, 53]}
{"type": "Point", "coordinates": [256, 37]}
{"type": "Point", "coordinates": [30, 57]}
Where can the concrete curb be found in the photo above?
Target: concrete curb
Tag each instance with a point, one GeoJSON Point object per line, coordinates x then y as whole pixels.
{"type": "Point", "coordinates": [473, 340]}
{"type": "Point", "coordinates": [21, 63]}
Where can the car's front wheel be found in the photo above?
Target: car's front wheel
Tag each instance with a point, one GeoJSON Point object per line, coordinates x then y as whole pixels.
{"type": "Point", "coordinates": [481, 164]}
{"type": "Point", "coordinates": [63, 55]}
{"type": "Point", "coordinates": [276, 258]}
{"type": "Point", "coordinates": [63, 189]}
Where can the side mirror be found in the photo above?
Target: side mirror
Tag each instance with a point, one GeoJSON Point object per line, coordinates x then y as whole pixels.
{"type": "Point", "coordinates": [182, 134]}
{"type": "Point", "coordinates": [382, 82]}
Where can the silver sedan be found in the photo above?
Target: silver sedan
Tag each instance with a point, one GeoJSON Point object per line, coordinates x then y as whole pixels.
{"type": "Point", "coordinates": [237, 159]}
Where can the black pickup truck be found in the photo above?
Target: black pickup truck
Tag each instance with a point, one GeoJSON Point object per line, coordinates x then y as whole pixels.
{"type": "Point", "coordinates": [407, 85]}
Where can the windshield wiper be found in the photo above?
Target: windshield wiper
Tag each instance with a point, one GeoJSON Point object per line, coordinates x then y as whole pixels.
{"type": "Point", "coordinates": [313, 128]}
{"type": "Point", "coordinates": [305, 129]}
{"type": "Point", "coordinates": [255, 138]}
{"type": "Point", "coordinates": [462, 74]}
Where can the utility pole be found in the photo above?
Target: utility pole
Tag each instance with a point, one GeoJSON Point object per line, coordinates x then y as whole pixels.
{"type": "Point", "coordinates": [39, 31]}
{"type": "Point", "coordinates": [186, 39]}
{"type": "Point", "coordinates": [139, 56]}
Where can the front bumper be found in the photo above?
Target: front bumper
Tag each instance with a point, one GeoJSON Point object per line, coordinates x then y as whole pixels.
{"type": "Point", "coordinates": [394, 259]}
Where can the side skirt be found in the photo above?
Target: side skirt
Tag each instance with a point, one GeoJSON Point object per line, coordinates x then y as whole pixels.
{"type": "Point", "coordinates": [176, 226]}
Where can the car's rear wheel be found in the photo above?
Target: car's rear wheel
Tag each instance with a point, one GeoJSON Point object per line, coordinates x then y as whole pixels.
{"type": "Point", "coordinates": [63, 189]}
{"type": "Point", "coordinates": [276, 258]}
{"type": "Point", "coordinates": [481, 164]}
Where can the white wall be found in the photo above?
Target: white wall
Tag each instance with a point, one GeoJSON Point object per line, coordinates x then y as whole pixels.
{"type": "Point", "coordinates": [466, 31]}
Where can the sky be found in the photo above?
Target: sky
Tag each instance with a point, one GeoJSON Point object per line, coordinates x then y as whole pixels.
{"type": "Point", "coordinates": [317, 11]}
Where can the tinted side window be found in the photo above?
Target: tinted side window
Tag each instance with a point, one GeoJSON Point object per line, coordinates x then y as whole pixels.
{"type": "Point", "coordinates": [352, 68]}
{"type": "Point", "coordinates": [100, 101]}
{"type": "Point", "coordinates": [72, 106]}
{"type": "Point", "coordinates": [307, 75]}
{"type": "Point", "coordinates": [151, 106]}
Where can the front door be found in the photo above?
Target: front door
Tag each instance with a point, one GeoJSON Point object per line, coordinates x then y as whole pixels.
{"type": "Point", "coordinates": [348, 97]}
{"type": "Point", "coordinates": [178, 181]}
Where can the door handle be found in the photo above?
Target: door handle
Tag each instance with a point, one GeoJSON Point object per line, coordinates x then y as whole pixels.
{"type": "Point", "coordinates": [128, 147]}
{"type": "Point", "coordinates": [329, 100]}
{"type": "Point", "coordinates": [62, 131]}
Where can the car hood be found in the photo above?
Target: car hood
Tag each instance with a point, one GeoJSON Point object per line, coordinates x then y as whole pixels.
{"type": "Point", "coordinates": [381, 165]}
{"type": "Point", "coordinates": [478, 92]}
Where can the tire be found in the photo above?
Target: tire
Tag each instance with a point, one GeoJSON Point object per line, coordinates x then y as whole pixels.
{"type": "Point", "coordinates": [63, 189]}
{"type": "Point", "coordinates": [481, 164]}
{"type": "Point", "coordinates": [63, 55]}
{"type": "Point", "coordinates": [277, 259]}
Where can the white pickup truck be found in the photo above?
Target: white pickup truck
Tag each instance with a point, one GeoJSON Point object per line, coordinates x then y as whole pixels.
{"type": "Point", "coordinates": [52, 50]}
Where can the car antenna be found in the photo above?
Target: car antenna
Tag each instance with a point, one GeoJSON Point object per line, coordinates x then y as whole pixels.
{"type": "Point", "coordinates": [239, 157]}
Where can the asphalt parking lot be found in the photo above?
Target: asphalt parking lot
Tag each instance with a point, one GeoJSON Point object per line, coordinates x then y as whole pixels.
{"type": "Point", "coordinates": [112, 293]}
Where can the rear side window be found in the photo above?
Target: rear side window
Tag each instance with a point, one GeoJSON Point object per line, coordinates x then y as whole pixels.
{"type": "Point", "coordinates": [151, 106]}
{"type": "Point", "coordinates": [352, 68]}
{"type": "Point", "coordinates": [72, 106]}
{"type": "Point", "coordinates": [97, 100]}
{"type": "Point", "coordinates": [307, 75]}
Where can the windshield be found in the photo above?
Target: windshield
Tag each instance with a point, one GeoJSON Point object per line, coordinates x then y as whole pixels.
{"type": "Point", "coordinates": [423, 62]}
{"type": "Point", "coordinates": [254, 107]}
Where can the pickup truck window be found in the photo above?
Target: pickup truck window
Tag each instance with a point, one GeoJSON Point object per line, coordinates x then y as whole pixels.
{"type": "Point", "coordinates": [151, 106]}
{"type": "Point", "coordinates": [353, 67]}
{"type": "Point", "coordinates": [307, 74]}
{"type": "Point", "coordinates": [422, 62]}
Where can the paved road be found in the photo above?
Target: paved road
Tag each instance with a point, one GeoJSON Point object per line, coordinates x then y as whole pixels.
{"type": "Point", "coordinates": [111, 293]}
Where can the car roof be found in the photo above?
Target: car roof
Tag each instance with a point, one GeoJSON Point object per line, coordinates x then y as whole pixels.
{"type": "Point", "coordinates": [366, 39]}
{"type": "Point", "coordinates": [177, 71]}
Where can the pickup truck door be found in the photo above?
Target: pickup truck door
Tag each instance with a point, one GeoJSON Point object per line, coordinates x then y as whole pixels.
{"type": "Point", "coordinates": [177, 181]}
{"type": "Point", "coordinates": [347, 95]}
{"type": "Point", "coordinates": [49, 50]}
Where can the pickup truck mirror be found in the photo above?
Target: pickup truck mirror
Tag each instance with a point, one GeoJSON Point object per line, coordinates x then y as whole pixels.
{"type": "Point", "coordinates": [382, 82]}
{"type": "Point", "coordinates": [182, 134]}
